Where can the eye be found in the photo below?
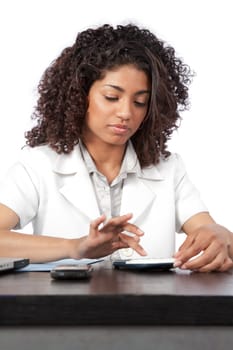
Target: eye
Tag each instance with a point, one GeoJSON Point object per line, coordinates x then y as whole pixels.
{"type": "Point", "coordinates": [140, 104]}
{"type": "Point", "coordinates": [111, 98]}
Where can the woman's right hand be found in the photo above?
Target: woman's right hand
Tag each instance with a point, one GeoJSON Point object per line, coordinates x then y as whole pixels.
{"type": "Point", "coordinates": [117, 233]}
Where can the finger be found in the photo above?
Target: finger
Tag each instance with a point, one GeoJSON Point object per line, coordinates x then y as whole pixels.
{"type": "Point", "coordinates": [116, 224]}
{"type": "Point", "coordinates": [119, 245]}
{"type": "Point", "coordinates": [120, 220]}
{"type": "Point", "coordinates": [187, 254]}
{"type": "Point", "coordinates": [215, 265]}
{"type": "Point", "coordinates": [186, 244]}
{"type": "Point", "coordinates": [227, 265]}
{"type": "Point", "coordinates": [95, 223]}
{"type": "Point", "coordinates": [203, 259]}
{"type": "Point", "coordinates": [132, 229]}
{"type": "Point", "coordinates": [195, 245]}
{"type": "Point", "coordinates": [210, 260]}
{"type": "Point", "coordinates": [120, 224]}
{"type": "Point", "coordinates": [133, 243]}
{"type": "Point", "coordinates": [94, 226]}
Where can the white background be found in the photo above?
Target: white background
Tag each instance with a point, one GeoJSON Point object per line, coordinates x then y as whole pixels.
{"type": "Point", "coordinates": [33, 33]}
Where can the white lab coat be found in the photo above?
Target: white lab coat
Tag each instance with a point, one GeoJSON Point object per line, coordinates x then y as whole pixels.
{"type": "Point", "coordinates": [55, 193]}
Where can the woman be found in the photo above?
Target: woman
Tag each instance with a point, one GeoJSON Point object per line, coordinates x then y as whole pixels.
{"type": "Point", "coordinates": [96, 177]}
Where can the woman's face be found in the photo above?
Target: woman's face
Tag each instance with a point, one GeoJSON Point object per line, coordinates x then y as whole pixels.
{"type": "Point", "coordinates": [117, 105]}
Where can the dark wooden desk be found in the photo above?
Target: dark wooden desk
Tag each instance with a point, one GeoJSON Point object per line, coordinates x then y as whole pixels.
{"type": "Point", "coordinates": [140, 304]}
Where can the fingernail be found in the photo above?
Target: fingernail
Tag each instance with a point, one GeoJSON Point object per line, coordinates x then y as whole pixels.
{"type": "Point", "coordinates": [177, 263]}
{"type": "Point", "coordinates": [140, 231]}
{"type": "Point", "coordinates": [183, 266]}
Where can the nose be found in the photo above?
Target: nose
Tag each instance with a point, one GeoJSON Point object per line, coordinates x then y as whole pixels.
{"type": "Point", "coordinates": [124, 111]}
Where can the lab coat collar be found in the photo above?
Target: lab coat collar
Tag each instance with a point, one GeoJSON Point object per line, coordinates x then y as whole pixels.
{"type": "Point", "coordinates": [77, 187]}
{"type": "Point", "coordinates": [76, 184]}
{"type": "Point", "coordinates": [67, 164]}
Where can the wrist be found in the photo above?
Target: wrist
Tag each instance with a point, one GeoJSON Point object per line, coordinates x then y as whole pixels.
{"type": "Point", "coordinates": [67, 248]}
{"type": "Point", "coordinates": [74, 249]}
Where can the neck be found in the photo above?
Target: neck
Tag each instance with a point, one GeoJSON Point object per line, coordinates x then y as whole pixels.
{"type": "Point", "coordinates": [107, 158]}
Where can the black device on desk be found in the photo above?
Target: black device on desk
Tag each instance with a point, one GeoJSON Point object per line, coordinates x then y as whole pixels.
{"type": "Point", "coordinates": [11, 264]}
{"type": "Point", "coordinates": [71, 272]}
{"type": "Point", "coordinates": [162, 264]}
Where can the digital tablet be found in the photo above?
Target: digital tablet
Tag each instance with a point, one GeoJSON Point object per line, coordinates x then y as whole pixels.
{"type": "Point", "coordinates": [162, 264]}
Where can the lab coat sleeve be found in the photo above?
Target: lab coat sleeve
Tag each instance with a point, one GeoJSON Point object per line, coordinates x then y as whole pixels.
{"type": "Point", "coordinates": [18, 191]}
{"type": "Point", "coordinates": [187, 197]}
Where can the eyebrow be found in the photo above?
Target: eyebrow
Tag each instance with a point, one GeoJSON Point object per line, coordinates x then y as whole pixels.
{"type": "Point", "coordinates": [118, 88]}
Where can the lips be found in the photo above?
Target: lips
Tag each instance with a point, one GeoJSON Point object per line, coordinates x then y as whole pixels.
{"type": "Point", "coordinates": [120, 126]}
{"type": "Point", "coordinates": [119, 129]}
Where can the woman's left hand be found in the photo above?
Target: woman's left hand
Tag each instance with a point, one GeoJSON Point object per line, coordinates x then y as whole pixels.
{"type": "Point", "coordinates": [206, 249]}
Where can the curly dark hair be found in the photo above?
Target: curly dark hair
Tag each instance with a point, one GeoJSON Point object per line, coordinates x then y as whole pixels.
{"type": "Point", "coordinates": [64, 87]}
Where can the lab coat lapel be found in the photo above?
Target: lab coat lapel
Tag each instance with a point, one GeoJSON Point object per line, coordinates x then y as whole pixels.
{"type": "Point", "coordinates": [76, 186]}
{"type": "Point", "coordinates": [79, 191]}
{"type": "Point", "coordinates": [137, 196]}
